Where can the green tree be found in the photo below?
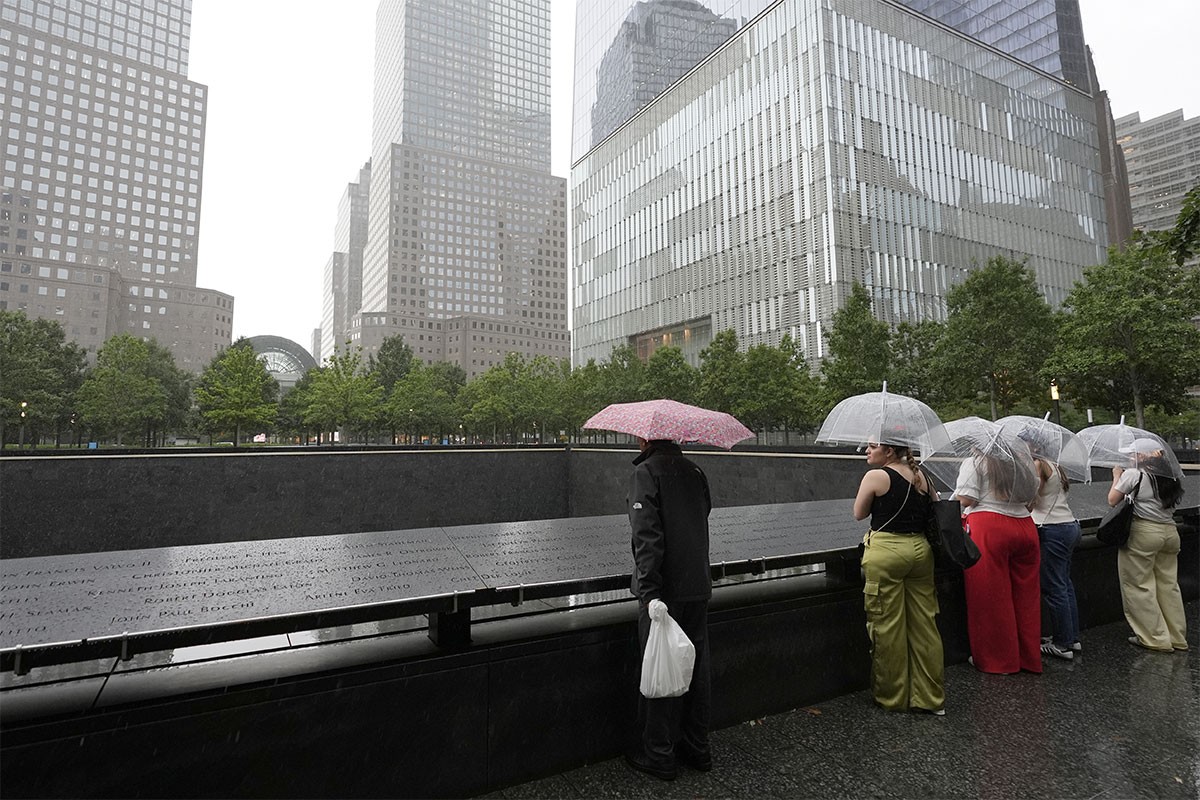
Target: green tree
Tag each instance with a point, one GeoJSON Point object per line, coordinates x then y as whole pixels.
{"type": "Point", "coordinates": [859, 349]}
{"type": "Point", "coordinates": [721, 373]}
{"type": "Point", "coordinates": [623, 376]}
{"type": "Point", "coordinates": [119, 396]}
{"type": "Point", "coordinates": [392, 362]}
{"type": "Point", "coordinates": [492, 402]}
{"type": "Point", "coordinates": [917, 368]}
{"type": "Point", "coordinates": [668, 375]}
{"type": "Point", "coordinates": [40, 368]}
{"type": "Point", "coordinates": [777, 389]}
{"type": "Point", "coordinates": [236, 391]}
{"type": "Point", "coordinates": [343, 396]}
{"type": "Point", "coordinates": [177, 388]}
{"type": "Point", "coordinates": [583, 395]}
{"type": "Point", "coordinates": [999, 331]}
{"type": "Point", "coordinates": [293, 405]}
{"type": "Point", "coordinates": [1126, 334]}
{"type": "Point", "coordinates": [421, 402]}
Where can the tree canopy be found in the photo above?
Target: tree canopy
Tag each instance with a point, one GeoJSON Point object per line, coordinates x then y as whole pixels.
{"type": "Point", "coordinates": [39, 368]}
{"type": "Point", "coordinates": [998, 332]}
{"type": "Point", "coordinates": [859, 351]}
{"type": "Point", "coordinates": [1126, 332]}
{"type": "Point", "coordinates": [236, 391]}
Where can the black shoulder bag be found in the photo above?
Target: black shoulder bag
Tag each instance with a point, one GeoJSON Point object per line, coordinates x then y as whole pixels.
{"type": "Point", "coordinates": [1114, 527]}
{"type": "Point", "coordinates": [950, 541]}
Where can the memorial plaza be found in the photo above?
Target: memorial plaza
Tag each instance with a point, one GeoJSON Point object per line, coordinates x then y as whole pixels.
{"type": "Point", "coordinates": [1117, 722]}
{"type": "Point", "coordinates": [269, 635]}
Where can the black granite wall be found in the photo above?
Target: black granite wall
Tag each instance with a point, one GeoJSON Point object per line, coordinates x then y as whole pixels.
{"type": "Point", "coordinates": [98, 503]}
{"type": "Point", "coordinates": [393, 717]}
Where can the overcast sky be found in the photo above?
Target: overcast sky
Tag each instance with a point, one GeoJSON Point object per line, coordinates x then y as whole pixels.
{"type": "Point", "coordinates": [289, 125]}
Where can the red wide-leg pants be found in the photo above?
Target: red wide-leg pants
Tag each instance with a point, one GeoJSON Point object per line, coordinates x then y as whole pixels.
{"type": "Point", "coordinates": [1004, 615]}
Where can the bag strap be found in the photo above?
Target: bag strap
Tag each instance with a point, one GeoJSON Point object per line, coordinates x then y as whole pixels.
{"type": "Point", "coordinates": [903, 503]}
{"type": "Point", "coordinates": [1133, 496]}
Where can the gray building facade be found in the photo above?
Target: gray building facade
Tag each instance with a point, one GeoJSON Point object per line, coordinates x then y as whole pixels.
{"type": "Point", "coordinates": [103, 158]}
{"type": "Point", "coordinates": [465, 253]}
{"type": "Point", "coordinates": [342, 279]}
{"type": "Point", "coordinates": [827, 142]}
{"type": "Point", "coordinates": [1162, 156]}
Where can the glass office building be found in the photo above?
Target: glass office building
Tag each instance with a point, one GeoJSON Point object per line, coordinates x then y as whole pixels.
{"type": "Point", "coordinates": [465, 254]}
{"type": "Point", "coordinates": [825, 142]}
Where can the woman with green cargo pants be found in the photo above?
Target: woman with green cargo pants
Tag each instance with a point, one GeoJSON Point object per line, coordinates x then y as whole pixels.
{"type": "Point", "coordinates": [898, 588]}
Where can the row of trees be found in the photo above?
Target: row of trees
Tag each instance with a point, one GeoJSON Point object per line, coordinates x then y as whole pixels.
{"type": "Point", "coordinates": [1124, 341]}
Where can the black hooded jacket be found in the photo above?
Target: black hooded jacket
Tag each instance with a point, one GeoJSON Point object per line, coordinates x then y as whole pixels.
{"type": "Point", "coordinates": [668, 504]}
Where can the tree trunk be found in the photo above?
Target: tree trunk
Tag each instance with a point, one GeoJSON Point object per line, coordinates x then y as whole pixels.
{"type": "Point", "coordinates": [992, 394]}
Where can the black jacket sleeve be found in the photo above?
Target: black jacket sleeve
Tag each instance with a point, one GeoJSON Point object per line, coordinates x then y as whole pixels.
{"type": "Point", "coordinates": [649, 541]}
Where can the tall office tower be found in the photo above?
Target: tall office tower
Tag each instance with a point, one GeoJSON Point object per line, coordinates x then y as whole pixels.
{"type": "Point", "coordinates": [466, 234]}
{"type": "Point", "coordinates": [827, 142]}
{"type": "Point", "coordinates": [103, 139]}
{"type": "Point", "coordinates": [1163, 159]}
{"type": "Point", "coordinates": [342, 283]}
{"type": "Point", "coordinates": [632, 73]}
{"type": "Point", "coordinates": [1047, 34]}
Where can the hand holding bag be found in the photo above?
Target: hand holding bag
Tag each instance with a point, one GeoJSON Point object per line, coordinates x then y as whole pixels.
{"type": "Point", "coordinates": [1114, 527]}
{"type": "Point", "coordinates": [669, 658]}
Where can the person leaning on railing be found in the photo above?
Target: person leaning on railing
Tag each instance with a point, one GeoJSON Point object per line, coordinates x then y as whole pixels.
{"type": "Point", "coordinates": [898, 589]}
{"type": "Point", "coordinates": [1148, 564]}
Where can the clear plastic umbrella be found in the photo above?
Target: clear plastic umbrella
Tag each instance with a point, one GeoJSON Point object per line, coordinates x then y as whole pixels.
{"type": "Point", "coordinates": [1130, 447]}
{"type": "Point", "coordinates": [1051, 442]}
{"type": "Point", "coordinates": [1010, 474]}
{"type": "Point", "coordinates": [885, 418]}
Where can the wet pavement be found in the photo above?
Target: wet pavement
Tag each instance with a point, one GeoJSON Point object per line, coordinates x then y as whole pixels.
{"type": "Point", "coordinates": [1116, 722]}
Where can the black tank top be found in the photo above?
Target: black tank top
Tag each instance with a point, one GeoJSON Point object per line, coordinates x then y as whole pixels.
{"type": "Point", "coordinates": [912, 518]}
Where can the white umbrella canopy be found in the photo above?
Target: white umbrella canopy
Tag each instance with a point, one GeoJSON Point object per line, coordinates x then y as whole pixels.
{"type": "Point", "coordinates": [1052, 442]}
{"type": "Point", "coordinates": [1011, 474]}
{"type": "Point", "coordinates": [1130, 447]}
{"type": "Point", "coordinates": [885, 418]}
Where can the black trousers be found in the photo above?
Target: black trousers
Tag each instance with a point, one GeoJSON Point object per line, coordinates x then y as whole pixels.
{"type": "Point", "coordinates": [669, 720]}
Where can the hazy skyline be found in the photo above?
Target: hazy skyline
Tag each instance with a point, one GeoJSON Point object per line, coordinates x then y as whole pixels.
{"type": "Point", "coordinates": [289, 125]}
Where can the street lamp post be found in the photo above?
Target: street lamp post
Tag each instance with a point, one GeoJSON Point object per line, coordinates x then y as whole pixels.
{"type": "Point", "coordinates": [21, 439]}
{"type": "Point", "coordinates": [1054, 397]}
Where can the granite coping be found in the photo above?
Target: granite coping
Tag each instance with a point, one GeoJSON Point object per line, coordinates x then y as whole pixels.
{"type": "Point", "coordinates": [236, 589]}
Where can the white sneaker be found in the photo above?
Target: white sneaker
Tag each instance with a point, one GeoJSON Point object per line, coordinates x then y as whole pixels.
{"type": "Point", "coordinates": [1051, 649]}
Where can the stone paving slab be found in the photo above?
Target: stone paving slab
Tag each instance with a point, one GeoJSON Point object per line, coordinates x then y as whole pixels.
{"type": "Point", "coordinates": [1117, 722]}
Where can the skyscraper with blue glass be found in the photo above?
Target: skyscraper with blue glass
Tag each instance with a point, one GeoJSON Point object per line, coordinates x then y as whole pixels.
{"type": "Point", "coordinates": [801, 146]}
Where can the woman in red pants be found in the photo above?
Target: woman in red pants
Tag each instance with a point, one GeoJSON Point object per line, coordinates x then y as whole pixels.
{"type": "Point", "coordinates": [1004, 617]}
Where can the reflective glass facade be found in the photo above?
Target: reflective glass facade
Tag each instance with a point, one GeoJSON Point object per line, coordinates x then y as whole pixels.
{"type": "Point", "coordinates": [628, 51]}
{"type": "Point", "coordinates": [1047, 34]}
{"type": "Point", "coordinates": [829, 142]}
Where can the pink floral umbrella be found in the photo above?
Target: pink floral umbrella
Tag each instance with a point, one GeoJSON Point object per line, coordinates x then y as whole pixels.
{"type": "Point", "coordinates": [667, 419]}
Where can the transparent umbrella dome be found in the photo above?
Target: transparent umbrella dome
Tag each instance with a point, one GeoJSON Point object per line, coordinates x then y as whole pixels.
{"type": "Point", "coordinates": [885, 418]}
{"type": "Point", "coordinates": [1005, 462]}
{"type": "Point", "coordinates": [1130, 447]}
{"type": "Point", "coordinates": [1051, 442]}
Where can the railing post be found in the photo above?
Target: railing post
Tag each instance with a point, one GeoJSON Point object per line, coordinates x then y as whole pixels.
{"type": "Point", "coordinates": [451, 629]}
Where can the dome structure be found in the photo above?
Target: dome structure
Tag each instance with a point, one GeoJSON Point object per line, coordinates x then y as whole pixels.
{"type": "Point", "coordinates": [286, 361]}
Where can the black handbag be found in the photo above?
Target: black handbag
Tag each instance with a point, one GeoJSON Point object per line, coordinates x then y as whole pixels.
{"type": "Point", "coordinates": [1114, 527]}
{"type": "Point", "coordinates": [950, 541]}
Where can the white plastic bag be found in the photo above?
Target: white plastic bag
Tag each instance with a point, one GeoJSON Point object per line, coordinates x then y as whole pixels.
{"type": "Point", "coordinates": [669, 658]}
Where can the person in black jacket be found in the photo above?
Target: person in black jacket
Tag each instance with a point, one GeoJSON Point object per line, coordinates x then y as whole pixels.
{"type": "Point", "coordinates": [669, 502]}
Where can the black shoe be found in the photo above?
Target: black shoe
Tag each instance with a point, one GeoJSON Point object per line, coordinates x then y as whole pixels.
{"type": "Point", "coordinates": [699, 760]}
{"type": "Point", "coordinates": [664, 770]}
